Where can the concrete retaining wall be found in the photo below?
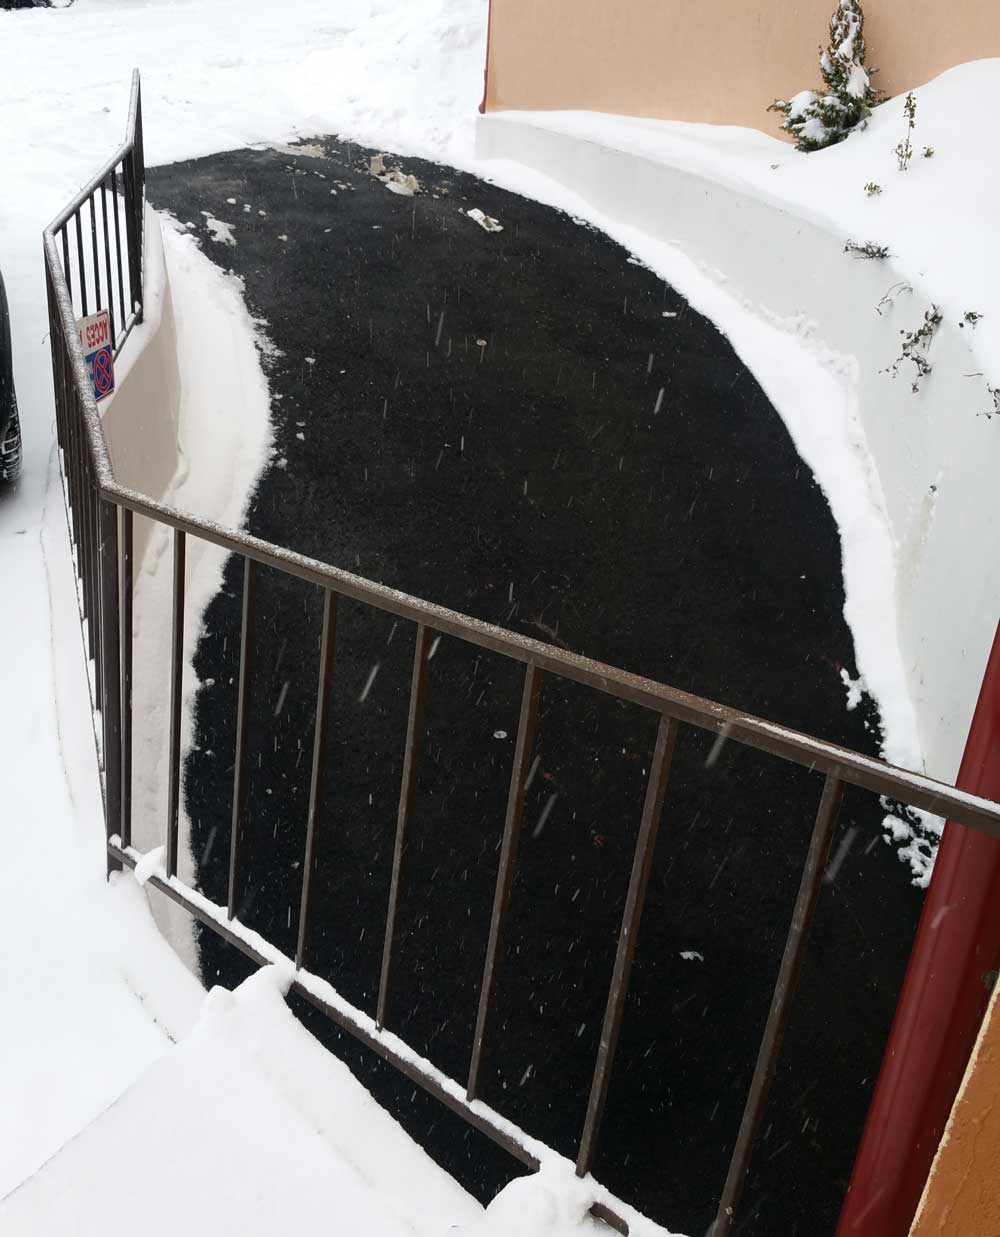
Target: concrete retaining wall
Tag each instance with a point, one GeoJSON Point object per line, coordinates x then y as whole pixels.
{"type": "Point", "coordinates": [141, 420]}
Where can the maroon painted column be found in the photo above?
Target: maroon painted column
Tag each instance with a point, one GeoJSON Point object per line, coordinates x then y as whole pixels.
{"type": "Point", "coordinates": [955, 955]}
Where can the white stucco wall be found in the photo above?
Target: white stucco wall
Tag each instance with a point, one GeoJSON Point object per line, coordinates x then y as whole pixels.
{"type": "Point", "coordinates": [936, 456]}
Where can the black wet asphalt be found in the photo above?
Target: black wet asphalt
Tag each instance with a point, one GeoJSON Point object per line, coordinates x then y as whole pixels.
{"type": "Point", "coordinates": [531, 427]}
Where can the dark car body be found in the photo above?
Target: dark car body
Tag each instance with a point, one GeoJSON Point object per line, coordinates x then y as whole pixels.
{"type": "Point", "coordinates": [10, 429]}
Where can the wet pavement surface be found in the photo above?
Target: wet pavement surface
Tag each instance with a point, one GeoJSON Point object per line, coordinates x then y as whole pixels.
{"type": "Point", "coordinates": [530, 427]}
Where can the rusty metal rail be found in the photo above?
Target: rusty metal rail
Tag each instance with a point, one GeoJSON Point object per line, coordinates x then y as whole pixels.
{"type": "Point", "coordinates": [101, 518]}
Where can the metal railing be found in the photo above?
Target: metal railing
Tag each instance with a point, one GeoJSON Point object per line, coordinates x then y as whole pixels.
{"type": "Point", "coordinates": [101, 514]}
{"type": "Point", "coordinates": [100, 271]}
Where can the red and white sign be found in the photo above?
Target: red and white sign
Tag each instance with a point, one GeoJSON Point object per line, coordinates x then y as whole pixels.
{"type": "Point", "coordinates": [98, 352]}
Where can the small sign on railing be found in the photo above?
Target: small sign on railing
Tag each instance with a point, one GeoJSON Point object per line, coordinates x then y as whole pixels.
{"type": "Point", "coordinates": [97, 345]}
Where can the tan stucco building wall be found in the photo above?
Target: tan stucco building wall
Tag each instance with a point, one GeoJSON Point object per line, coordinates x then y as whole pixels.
{"type": "Point", "coordinates": [721, 61]}
{"type": "Point", "coordinates": [962, 1197]}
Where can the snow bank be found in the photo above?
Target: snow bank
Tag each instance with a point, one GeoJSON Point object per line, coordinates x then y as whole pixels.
{"type": "Point", "coordinates": [213, 1121]}
{"type": "Point", "coordinates": [91, 993]}
{"type": "Point", "coordinates": [907, 475]}
{"type": "Point", "coordinates": [141, 419]}
{"type": "Point", "coordinates": [224, 440]}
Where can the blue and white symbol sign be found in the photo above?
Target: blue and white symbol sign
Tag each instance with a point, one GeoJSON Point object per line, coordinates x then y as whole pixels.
{"type": "Point", "coordinates": [95, 340]}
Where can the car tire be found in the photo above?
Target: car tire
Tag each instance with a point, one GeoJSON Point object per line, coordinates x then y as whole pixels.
{"type": "Point", "coordinates": [10, 451]}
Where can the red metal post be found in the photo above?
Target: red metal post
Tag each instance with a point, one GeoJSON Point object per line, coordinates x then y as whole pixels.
{"type": "Point", "coordinates": [951, 970]}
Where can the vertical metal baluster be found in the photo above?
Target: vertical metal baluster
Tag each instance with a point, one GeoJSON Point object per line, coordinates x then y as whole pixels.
{"type": "Point", "coordinates": [327, 647]}
{"type": "Point", "coordinates": [125, 628]}
{"type": "Point", "coordinates": [140, 184]}
{"type": "Point", "coordinates": [118, 248]}
{"type": "Point", "coordinates": [83, 515]}
{"type": "Point", "coordinates": [505, 872]}
{"type": "Point", "coordinates": [414, 744]}
{"type": "Point", "coordinates": [57, 375]}
{"type": "Point", "coordinates": [94, 537]}
{"type": "Point", "coordinates": [247, 645]}
{"type": "Point", "coordinates": [111, 660]}
{"type": "Point", "coordinates": [64, 231]}
{"type": "Point", "coordinates": [72, 455]}
{"type": "Point", "coordinates": [784, 991]}
{"type": "Point", "coordinates": [128, 192]}
{"type": "Point", "coordinates": [79, 506]}
{"type": "Point", "coordinates": [642, 862]}
{"type": "Point", "coordinates": [80, 267]}
{"type": "Point", "coordinates": [107, 264]}
{"type": "Point", "coordinates": [176, 690]}
{"type": "Point", "coordinates": [93, 245]}
{"type": "Point", "coordinates": [87, 525]}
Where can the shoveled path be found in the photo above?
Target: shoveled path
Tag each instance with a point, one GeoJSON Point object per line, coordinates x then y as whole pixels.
{"type": "Point", "coordinates": [529, 426]}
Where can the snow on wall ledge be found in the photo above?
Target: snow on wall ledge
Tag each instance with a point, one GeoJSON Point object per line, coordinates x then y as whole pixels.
{"type": "Point", "coordinates": [141, 421]}
{"type": "Point", "coordinates": [922, 608]}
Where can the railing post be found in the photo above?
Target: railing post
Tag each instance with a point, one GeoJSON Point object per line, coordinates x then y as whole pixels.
{"type": "Point", "coordinates": [408, 783]}
{"type": "Point", "coordinates": [317, 778]}
{"type": "Point", "coordinates": [240, 774]}
{"type": "Point", "coordinates": [176, 700]}
{"type": "Point", "coordinates": [110, 640]}
{"type": "Point", "coordinates": [781, 1000]}
{"type": "Point", "coordinates": [642, 862]}
{"type": "Point", "coordinates": [125, 584]}
{"type": "Point", "coordinates": [137, 211]}
{"type": "Point", "coordinates": [134, 185]}
{"type": "Point", "coordinates": [941, 1006]}
{"type": "Point", "coordinates": [525, 741]}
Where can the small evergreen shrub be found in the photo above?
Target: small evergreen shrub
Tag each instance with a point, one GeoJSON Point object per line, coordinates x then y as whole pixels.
{"type": "Point", "coordinates": [817, 119]}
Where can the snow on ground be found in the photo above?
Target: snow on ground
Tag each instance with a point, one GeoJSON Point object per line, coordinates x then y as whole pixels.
{"type": "Point", "coordinates": [92, 998]}
{"type": "Point", "coordinates": [935, 218]}
{"type": "Point", "coordinates": [224, 437]}
{"type": "Point", "coordinates": [935, 221]}
{"type": "Point", "coordinates": [223, 1122]}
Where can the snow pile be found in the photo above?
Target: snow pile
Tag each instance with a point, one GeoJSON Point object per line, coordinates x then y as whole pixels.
{"type": "Point", "coordinates": [225, 439]}
{"type": "Point", "coordinates": [936, 218]}
{"type": "Point", "coordinates": [408, 79]}
{"type": "Point", "coordinates": [227, 1120]}
{"type": "Point", "coordinates": [901, 471]}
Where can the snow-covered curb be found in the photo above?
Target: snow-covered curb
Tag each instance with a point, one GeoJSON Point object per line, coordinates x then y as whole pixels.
{"type": "Point", "coordinates": [141, 419]}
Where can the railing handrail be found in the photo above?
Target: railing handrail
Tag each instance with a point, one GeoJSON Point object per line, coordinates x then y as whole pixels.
{"type": "Point", "coordinates": [916, 789]}
{"type": "Point", "coordinates": [83, 193]}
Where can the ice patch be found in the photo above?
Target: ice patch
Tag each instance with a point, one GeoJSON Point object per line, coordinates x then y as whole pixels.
{"type": "Point", "coordinates": [219, 231]}
{"type": "Point", "coordinates": [309, 150]}
{"type": "Point", "coordinates": [486, 222]}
